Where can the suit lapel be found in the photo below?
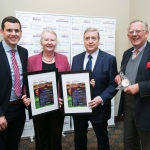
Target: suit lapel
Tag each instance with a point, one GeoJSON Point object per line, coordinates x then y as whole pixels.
{"type": "Point", "coordinates": [21, 59]}
{"type": "Point", "coordinates": [98, 62]}
{"type": "Point", "coordinates": [126, 59]}
{"type": "Point", "coordinates": [82, 61]}
{"type": "Point", "coordinates": [5, 59]}
{"type": "Point", "coordinates": [144, 58]}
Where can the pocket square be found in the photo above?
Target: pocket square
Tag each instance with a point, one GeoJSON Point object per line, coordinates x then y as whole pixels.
{"type": "Point", "coordinates": [148, 65]}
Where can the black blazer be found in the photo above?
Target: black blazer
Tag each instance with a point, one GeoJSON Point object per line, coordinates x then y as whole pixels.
{"type": "Point", "coordinates": [141, 99]}
{"type": "Point", "coordinates": [5, 76]}
{"type": "Point", "coordinates": [104, 72]}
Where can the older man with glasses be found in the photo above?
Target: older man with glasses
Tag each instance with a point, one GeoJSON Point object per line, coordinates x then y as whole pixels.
{"type": "Point", "coordinates": [135, 99]}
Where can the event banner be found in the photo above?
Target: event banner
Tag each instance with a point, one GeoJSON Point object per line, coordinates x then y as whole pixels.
{"type": "Point", "coordinates": [69, 30]}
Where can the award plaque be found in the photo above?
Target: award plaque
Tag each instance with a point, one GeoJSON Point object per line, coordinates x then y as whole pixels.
{"type": "Point", "coordinates": [125, 82]}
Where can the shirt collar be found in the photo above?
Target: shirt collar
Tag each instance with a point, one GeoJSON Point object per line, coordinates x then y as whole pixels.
{"type": "Point", "coordinates": [140, 49]}
{"type": "Point", "coordinates": [94, 55]}
{"type": "Point", "coordinates": [7, 47]}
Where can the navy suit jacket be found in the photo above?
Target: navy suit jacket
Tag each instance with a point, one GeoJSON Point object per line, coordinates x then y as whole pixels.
{"type": "Point", "coordinates": [141, 99]}
{"type": "Point", "coordinates": [6, 78]}
{"type": "Point", "coordinates": [104, 72]}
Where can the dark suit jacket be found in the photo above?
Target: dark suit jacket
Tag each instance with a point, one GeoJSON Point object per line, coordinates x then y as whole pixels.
{"type": "Point", "coordinates": [104, 72]}
{"type": "Point", "coordinates": [141, 99]}
{"type": "Point", "coordinates": [6, 78]}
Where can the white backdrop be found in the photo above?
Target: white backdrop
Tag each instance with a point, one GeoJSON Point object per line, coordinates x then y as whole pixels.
{"type": "Point", "coordinates": [69, 31]}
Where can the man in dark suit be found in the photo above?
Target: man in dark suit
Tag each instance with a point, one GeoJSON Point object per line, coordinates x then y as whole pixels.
{"type": "Point", "coordinates": [12, 107]}
{"type": "Point", "coordinates": [135, 99]}
{"type": "Point", "coordinates": [104, 69]}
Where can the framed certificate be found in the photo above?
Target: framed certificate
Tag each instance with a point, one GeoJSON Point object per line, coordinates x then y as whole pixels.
{"type": "Point", "coordinates": [42, 90]}
{"type": "Point", "coordinates": [76, 92]}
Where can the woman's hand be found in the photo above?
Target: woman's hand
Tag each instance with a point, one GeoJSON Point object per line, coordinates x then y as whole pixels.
{"type": "Point", "coordinates": [26, 100]}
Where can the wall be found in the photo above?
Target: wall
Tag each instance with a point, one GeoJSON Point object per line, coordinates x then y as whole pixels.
{"type": "Point", "coordinates": [139, 10]}
{"type": "Point", "coordinates": [118, 9]}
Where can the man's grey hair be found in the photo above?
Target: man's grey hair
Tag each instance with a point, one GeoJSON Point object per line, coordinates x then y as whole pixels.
{"type": "Point", "coordinates": [91, 29]}
{"type": "Point", "coordinates": [144, 24]}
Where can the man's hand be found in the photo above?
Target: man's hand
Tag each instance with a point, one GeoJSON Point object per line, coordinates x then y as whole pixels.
{"type": "Point", "coordinates": [3, 123]}
{"type": "Point", "coordinates": [95, 102]}
{"type": "Point", "coordinates": [26, 100]}
{"type": "Point", "coordinates": [132, 89]}
{"type": "Point", "coordinates": [92, 82]}
{"type": "Point", "coordinates": [118, 79]}
{"type": "Point", "coordinates": [60, 101]}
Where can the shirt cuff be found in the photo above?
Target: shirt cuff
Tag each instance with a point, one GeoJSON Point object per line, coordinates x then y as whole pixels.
{"type": "Point", "coordinates": [102, 102]}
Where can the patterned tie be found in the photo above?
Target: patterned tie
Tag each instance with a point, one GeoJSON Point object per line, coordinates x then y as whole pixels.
{"type": "Point", "coordinates": [89, 63]}
{"type": "Point", "coordinates": [17, 85]}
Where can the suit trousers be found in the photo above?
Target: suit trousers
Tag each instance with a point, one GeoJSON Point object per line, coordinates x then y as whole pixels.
{"type": "Point", "coordinates": [80, 133]}
{"type": "Point", "coordinates": [134, 138]}
{"type": "Point", "coordinates": [48, 131]}
{"type": "Point", "coordinates": [10, 138]}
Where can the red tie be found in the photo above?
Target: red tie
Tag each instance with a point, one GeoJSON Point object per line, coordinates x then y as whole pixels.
{"type": "Point", "coordinates": [17, 86]}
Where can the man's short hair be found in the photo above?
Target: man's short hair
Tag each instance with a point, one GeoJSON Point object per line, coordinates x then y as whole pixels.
{"type": "Point", "coordinates": [91, 29]}
{"type": "Point", "coordinates": [10, 19]}
{"type": "Point", "coordinates": [144, 24]}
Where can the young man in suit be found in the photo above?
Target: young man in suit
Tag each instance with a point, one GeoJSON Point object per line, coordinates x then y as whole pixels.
{"type": "Point", "coordinates": [13, 62]}
{"type": "Point", "coordinates": [104, 69]}
{"type": "Point", "coordinates": [135, 99]}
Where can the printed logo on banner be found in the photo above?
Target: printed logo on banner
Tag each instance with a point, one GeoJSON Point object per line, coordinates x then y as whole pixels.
{"type": "Point", "coordinates": [24, 17]}
{"type": "Point", "coordinates": [25, 43]}
{"type": "Point", "coordinates": [77, 36]}
{"type": "Point", "coordinates": [36, 19]}
{"type": "Point", "coordinates": [101, 43]}
{"type": "Point", "coordinates": [37, 43]}
{"type": "Point", "coordinates": [35, 27]}
{"type": "Point", "coordinates": [97, 21]}
{"type": "Point", "coordinates": [48, 19]}
{"type": "Point", "coordinates": [108, 22]}
{"type": "Point", "coordinates": [61, 51]}
{"type": "Point", "coordinates": [23, 26]}
{"type": "Point", "coordinates": [87, 21]}
{"type": "Point", "coordinates": [100, 29]}
{"type": "Point", "coordinates": [75, 28]}
{"type": "Point", "coordinates": [63, 43]}
{"type": "Point", "coordinates": [77, 43]}
{"type": "Point", "coordinates": [65, 36]}
{"type": "Point", "coordinates": [109, 51]}
{"type": "Point", "coordinates": [76, 20]}
{"type": "Point", "coordinates": [36, 51]}
{"type": "Point", "coordinates": [63, 28]}
{"type": "Point", "coordinates": [109, 43]}
{"type": "Point", "coordinates": [62, 20]}
{"type": "Point", "coordinates": [110, 36]}
{"type": "Point", "coordinates": [49, 28]}
{"type": "Point", "coordinates": [37, 35]}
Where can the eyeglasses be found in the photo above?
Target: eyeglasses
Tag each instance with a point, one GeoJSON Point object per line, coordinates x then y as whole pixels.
{"type": "Point", "coordinates": [136, 31]}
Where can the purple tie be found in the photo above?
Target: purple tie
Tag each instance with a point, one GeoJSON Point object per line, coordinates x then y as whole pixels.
{"type": "Point", "coordinates": [17, 85]}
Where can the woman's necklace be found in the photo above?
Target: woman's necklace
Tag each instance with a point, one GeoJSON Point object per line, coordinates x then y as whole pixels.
{"type": "Point", "coordinates": [48, 60]}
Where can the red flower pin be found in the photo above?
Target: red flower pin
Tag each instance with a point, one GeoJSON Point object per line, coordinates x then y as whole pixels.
{"type": "Point", "coordinates": [148, 65]}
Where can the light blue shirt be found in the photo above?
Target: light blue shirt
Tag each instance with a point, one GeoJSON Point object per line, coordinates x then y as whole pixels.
{"type": "Point", "coordinates": [94, 58]}
{"type": "Point", "coordinates": [8, 49]}
{"type": "Point", "coordinates": [139, 50]}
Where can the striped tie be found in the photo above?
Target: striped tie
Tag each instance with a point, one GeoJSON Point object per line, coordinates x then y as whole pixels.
{"type": "Point", "coordinates": [17, 85]}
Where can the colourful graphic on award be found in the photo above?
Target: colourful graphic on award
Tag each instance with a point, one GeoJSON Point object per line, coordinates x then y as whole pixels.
{"type": "Point", "coordinates": [76, 94]}
{"type": "Point", "coordinates": [43, 92]}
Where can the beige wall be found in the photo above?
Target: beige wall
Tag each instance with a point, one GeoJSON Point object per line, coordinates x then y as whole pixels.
{"type": "Point", "coordinates": [140, 10]}
{"type": "Point", "coordinates": [118, 9]}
